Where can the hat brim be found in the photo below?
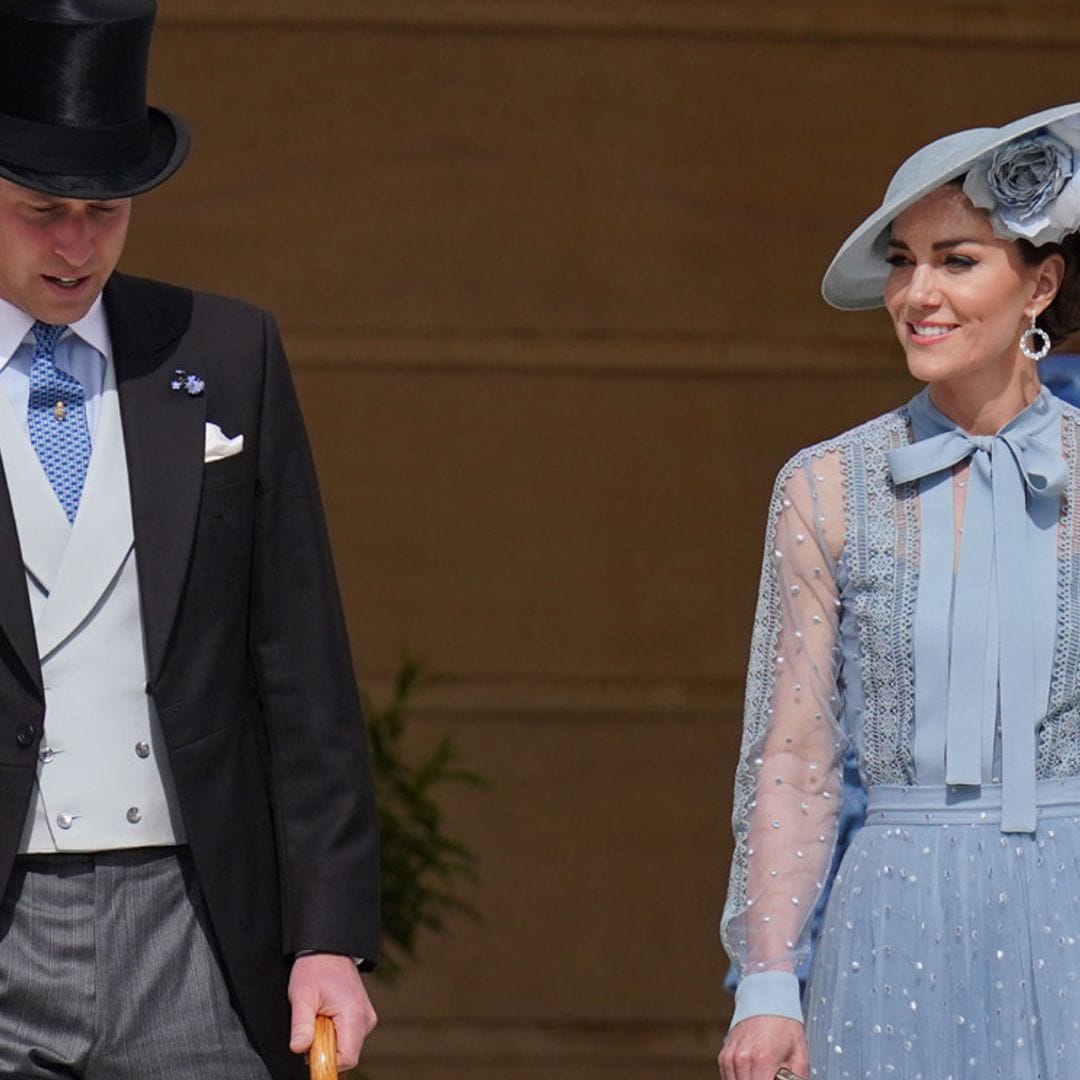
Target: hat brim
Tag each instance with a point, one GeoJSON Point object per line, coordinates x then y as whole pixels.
{"type": "Point", "coordinates": [168, 142]}
{"type": "Point", "coordinates": [855, 279]}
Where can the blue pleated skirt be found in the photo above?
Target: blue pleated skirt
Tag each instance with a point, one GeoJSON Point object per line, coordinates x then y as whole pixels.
{"type": "Point", "coordinates": [951, 950]}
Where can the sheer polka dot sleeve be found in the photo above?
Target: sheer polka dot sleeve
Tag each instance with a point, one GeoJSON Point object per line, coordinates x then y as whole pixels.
{"type": "Point", "coordinates": [789, 777]}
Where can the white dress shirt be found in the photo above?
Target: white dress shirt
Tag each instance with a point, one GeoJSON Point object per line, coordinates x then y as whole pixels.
{"type": "Point", "coordinates": [82, 351]}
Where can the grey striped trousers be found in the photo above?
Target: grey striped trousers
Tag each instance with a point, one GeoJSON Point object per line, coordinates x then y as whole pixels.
{"type": "Point", "coordinates": [107, 972]}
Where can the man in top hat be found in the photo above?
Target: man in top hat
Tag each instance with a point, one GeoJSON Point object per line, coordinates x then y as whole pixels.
{"type": "Point", "coordinates": [187, 830]}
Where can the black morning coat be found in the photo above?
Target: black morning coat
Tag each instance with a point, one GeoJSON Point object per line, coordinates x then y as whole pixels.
{"type": "Point", "coordinates": [248, 659]}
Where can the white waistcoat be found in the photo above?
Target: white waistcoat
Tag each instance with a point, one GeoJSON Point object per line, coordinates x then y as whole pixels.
{"type": "Point", "coordinates": [103, 778]}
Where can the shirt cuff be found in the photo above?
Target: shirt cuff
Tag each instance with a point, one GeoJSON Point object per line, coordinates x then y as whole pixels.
{"type": "Point", "coordinates": [768, 993]}
{"type": "Point", "coordinates": [361, 963]}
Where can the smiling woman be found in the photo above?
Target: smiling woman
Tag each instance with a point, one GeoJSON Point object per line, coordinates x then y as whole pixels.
{"type": "Point", "coordinates": [920, 601]}
{"type": "Point", "coordinates": [960, 298]}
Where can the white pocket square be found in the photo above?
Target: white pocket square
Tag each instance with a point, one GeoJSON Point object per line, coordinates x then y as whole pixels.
{"type": "Point", "coordinates": [219, 445]}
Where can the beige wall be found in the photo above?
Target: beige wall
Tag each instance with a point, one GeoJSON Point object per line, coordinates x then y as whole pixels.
{"type": "Point", "coordinates": [548, 272]}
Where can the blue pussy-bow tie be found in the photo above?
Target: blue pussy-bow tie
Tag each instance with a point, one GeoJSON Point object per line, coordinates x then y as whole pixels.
{"type": "Point", "coordinates": [1007, 470]}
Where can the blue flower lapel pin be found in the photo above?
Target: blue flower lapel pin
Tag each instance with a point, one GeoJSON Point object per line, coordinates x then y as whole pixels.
{"type": "Point", "coordinates": [187, 381]}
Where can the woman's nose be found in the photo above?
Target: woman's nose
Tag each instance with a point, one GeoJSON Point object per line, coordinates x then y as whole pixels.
{"type": "Point", "coordinates": [923, 287]}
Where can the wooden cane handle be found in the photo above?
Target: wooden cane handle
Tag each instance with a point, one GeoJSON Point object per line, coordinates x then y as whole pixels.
{"type": "Point", "coordinates": [323, 1053]}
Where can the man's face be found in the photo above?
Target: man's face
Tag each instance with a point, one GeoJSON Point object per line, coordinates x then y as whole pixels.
{"type": "Point", "coordinates": [56, 254]}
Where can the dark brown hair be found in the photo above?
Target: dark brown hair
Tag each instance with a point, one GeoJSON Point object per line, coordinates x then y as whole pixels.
{"type": "Point", "coordinates": [1062, 318]}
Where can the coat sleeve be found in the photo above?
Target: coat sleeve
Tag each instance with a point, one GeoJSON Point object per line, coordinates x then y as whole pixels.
{"type": "Point", "coordinates": [322, 790]}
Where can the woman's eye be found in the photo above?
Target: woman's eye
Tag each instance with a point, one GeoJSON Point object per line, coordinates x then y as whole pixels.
{"type": "Point", "coordinates": [959, 261]}
{"type": "Point", "coordinates": [898, 260]}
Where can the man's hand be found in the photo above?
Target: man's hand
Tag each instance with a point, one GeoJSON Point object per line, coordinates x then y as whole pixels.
{"type": "Point", "coordinates": [329, 984]}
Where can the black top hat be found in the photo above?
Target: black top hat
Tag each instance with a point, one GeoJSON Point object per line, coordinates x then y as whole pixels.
{"type": "Point", "coordinates": [73, 115]}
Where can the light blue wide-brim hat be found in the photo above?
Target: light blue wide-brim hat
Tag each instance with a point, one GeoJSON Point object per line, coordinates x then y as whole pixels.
{"type": "Point", "coordinates": [856, 277]}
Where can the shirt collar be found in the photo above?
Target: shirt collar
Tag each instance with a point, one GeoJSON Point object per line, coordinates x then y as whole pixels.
{"type": "Point", "coordinates": [1035, 420]}
{"type": "Point", "coordinates": [15, 326]}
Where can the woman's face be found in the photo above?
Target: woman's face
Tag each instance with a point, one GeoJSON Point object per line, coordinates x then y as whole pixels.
{"type": "Point", "coordinates": [960, 297]}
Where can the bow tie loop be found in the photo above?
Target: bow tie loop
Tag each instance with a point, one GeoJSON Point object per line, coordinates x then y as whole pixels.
{"type": "Point", "coordinates": [1044, 471]}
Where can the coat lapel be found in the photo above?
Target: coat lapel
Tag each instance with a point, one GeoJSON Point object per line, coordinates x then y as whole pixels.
{"type": "Point", "coordinates": [164, 434]}
{"type": "Point", "coordinates": [15, 617]}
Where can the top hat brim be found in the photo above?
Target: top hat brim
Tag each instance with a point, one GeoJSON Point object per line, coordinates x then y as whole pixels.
{"type": "Point", "coordinates": [856, 277]}
{"type": "Point", "coordinates": [167, 143]}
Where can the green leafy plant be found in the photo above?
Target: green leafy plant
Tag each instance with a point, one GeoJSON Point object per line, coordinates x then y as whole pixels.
{"type": "Point", "coordinates": [422, 867]}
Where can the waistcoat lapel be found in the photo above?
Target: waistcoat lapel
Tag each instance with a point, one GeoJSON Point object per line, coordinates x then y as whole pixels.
{"type": "Point", "coordinates": [99, 539]}
{"type": "Point", "coordinates": [43, 528]}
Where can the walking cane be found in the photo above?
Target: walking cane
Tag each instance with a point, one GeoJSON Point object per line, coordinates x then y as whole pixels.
{"type": "Point", "coordinates": [322, 1057]}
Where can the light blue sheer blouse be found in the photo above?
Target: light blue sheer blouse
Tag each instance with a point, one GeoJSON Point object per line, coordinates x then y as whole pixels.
{"type": "Point", "coordinates": [933, 655]}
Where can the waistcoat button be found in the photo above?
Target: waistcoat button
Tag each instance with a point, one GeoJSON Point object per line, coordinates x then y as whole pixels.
{"type": "Point", "coordinates": [134, 815]}
{"type": "Point", "coordinates": [64, 821]}
{"type": "Point", "coordinates": [46, 754]}
{"type": "Point", "coordinates": [142, 749]}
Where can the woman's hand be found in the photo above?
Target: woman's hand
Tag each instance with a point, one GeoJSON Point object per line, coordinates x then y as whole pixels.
{"type": "Point", "coordinates": [756, 1047]}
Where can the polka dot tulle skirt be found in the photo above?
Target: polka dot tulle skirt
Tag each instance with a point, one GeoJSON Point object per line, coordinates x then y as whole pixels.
{"type": "Point", "coordinates": [951, 950]}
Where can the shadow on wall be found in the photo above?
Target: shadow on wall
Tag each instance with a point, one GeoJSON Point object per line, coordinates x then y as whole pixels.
{"type": "Point", "coordinates": [421, 867]}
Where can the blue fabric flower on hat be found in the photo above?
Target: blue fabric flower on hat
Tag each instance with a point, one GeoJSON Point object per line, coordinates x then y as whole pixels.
{"type": "Point", "coordinates": [1027, 174]}
{"type": "Point", "coordinates": [187, 381]}
{"type": "Point", "coordinates": [1031, 186]}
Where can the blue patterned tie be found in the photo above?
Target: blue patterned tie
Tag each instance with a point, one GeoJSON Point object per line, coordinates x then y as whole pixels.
{"type": "Point", "coordinates": [56, 418]}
